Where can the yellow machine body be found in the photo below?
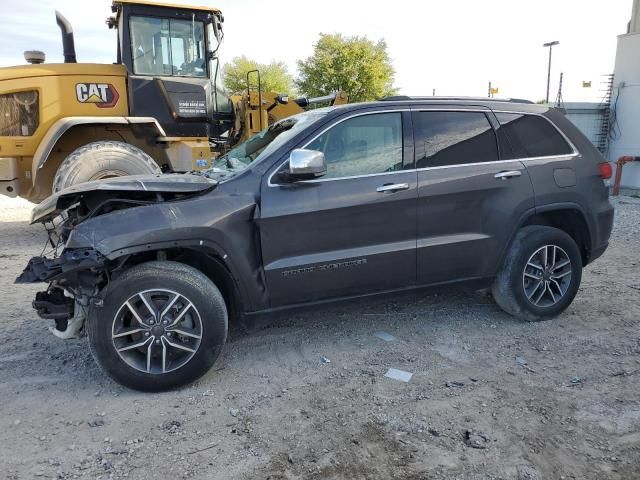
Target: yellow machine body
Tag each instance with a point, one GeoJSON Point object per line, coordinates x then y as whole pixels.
{"type": "Point", "coordinates": [47, 111]}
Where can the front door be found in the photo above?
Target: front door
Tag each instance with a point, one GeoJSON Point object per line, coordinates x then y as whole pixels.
{"type": "Point", "coordinates": [469, 200]}
{"type": "Point", "coordinates": [352, 231]}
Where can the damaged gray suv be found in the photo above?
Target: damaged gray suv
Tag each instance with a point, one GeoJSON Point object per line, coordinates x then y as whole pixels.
{"type": "Point", "coordinates": [330, 204]}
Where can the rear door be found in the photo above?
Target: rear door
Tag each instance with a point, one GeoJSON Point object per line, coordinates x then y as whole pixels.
{"type": "Point", "coordinates": [550, 159]}
{"type": "Point", "coordinates": [469, 199]}
{"type": "Point", "coordinates": [352, 231]}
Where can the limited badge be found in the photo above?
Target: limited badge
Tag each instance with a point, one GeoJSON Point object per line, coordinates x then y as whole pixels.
{"type": "Point", "coordinates": [103, 95]}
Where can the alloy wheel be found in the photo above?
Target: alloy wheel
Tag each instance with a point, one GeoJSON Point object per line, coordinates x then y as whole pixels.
{"type": "Point", "coordinates": [547, 276]}
{"type": "Point", "coordinates": [157, 331]}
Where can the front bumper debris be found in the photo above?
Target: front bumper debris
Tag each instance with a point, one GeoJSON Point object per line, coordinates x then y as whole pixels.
{"type": "Point", "coordinates": [78, 267]}
{"type": "Point", "coordinates": [67, 313]}
{"type": "Point", "coordinates": [53, 305]}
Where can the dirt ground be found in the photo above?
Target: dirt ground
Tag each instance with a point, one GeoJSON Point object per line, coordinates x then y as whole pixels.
{"type": "Point", "coordinates": [553, 400]}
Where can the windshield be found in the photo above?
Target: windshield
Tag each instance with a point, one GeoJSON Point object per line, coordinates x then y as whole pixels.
{"type": "Point", "coordinates": [261, 145]}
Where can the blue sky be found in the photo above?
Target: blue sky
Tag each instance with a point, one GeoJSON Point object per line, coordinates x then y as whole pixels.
{"type": "Point", "coordinates": [454, 46]}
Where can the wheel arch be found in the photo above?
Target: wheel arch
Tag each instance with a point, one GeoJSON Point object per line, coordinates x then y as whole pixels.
{"type": "Point", "coordinates": [205, 257]}
{"type": "Point", "coordinates": [568, 217]}
{"type": "Point", "coordinates": [141, 128]}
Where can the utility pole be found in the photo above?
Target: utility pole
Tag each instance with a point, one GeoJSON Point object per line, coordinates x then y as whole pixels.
{"type": "Point", "coordinates": [550, 45]}
{"type": "Point", "coordinates": [489, 91]}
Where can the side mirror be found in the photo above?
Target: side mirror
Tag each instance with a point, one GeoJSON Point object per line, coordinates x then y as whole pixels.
{"type": "Point", "coordinates": [306, 164]}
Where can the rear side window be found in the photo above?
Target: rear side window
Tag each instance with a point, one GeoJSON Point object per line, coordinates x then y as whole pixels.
{"type": "Point", "coordinates": [453, 138]}
{"type": "Point", "coordinates": [531, 136]}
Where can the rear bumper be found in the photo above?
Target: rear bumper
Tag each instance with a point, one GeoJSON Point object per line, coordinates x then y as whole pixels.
{"type": "Point", "coordinates": [604, 226]}
{"type": "Point", "coordinates": [597, 252]}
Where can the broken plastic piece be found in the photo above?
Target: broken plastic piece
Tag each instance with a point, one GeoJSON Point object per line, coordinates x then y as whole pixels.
{"type": "Point", "coordinates": [387, 337]}
{"type": "Point", "coordinates": [400, 375]}
{"type": "Point", "coordinates": [74, 325]}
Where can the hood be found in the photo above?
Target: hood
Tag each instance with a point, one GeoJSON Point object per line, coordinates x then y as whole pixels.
{"type": "Point", "coordinates": [129, 186]}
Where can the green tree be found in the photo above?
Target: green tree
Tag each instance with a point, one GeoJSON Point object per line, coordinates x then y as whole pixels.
{"type": "Point", "coordinates": [356, 65]}
{"type": "Point", "coordinates": [274, 76]}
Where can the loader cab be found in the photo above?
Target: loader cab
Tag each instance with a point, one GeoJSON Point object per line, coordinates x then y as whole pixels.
{"type": "Point", "coordinates": [170, 52]}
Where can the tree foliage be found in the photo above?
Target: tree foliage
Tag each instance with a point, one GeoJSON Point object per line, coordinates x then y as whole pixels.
{"type": "Point", "coordinates": [274, 76]}
{"type": "Point", "coordinates": [356, 65]}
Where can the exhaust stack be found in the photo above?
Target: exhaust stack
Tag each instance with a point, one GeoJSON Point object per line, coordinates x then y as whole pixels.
{"type": "Point", "coordinates": [68, 46]}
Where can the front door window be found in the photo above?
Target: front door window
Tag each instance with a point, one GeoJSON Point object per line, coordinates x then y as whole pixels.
{"type": "Point", "coordinates": [363, 145]}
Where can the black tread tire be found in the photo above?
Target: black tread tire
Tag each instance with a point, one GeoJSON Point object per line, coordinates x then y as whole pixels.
{"type": "Point", "coordinates": [86, 162]}
{"type": "Point", "coordinates": [192, 283]}
{"type": "Point", "coordinates": [507, 288]}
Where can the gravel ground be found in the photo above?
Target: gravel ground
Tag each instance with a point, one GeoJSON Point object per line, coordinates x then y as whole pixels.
{"type": "Point", "coordinates": [491, 397]}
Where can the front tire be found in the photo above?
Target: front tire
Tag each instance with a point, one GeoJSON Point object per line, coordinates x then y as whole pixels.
{"type": "Point", "coordinates": [162, 325]}
{"type": "Point", "coordinates": [104, 159]}
{"type": "Point", "coordinates": [541, 274]}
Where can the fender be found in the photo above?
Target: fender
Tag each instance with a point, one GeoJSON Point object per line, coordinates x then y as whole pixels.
{"type": "Point", "coordinates": [59, 128]}
{"type": "Point", "coordinates": [187, 223]}
{"type": "Point", "coordinates": [570, 206]}
{"type": "Point", "coordinates": [208, 247]}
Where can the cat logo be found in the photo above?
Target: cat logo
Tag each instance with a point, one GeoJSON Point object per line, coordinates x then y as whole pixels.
{"type": "Point", "coordinates": [103, 95]}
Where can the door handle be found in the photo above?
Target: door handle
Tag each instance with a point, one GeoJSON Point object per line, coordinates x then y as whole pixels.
{"type": "Point", "coordinates": [392, 187]}
{"type": "Point", "coordinates": [508, 174]}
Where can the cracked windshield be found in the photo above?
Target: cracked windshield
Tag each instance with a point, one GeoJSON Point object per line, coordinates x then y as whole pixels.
{"type": "Point", "coordinates": [260, 146]}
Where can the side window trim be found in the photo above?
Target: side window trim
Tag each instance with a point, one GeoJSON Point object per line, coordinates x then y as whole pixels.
{"type": "Point", "coordinates": [408, 145]}
{"type": "Point", "coordinates": [306, 143]}
{"type": "Point", "coordinates": [505, 148]}
{"type": "Point", "coordinates": [488, 113]}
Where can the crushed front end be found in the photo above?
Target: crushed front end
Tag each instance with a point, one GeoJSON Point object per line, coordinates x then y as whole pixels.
{"type": "Point", "coordinates": [78, 221]}
{"type": "Point", "coordinates": [74, 277]}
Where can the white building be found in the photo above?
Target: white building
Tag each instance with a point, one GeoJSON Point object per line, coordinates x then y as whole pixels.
{"type": "Point", "coordinates": [625, 134]}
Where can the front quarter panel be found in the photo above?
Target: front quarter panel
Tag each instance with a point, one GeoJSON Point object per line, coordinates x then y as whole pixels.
{"type": "Point", "coordinates": [219, 223]}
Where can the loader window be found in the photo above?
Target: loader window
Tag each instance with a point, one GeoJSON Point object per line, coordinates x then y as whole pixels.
{"type": "Point", "coordinates": [167, 47]}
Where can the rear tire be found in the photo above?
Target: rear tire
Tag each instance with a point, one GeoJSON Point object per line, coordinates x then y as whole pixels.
{"type": "Point", "coordinates": [541, 274]}
{"type": "Point", "coordinates": [103, 159]}
{"type": "Point", "coordinates": [162, 325]}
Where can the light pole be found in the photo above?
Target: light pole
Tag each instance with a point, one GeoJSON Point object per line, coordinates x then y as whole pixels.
{"type": "Point", "coordinates": [550, 45]}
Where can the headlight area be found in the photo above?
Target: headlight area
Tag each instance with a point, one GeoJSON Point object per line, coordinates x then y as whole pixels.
{"type": "Point", "coordinates": [74, 277]}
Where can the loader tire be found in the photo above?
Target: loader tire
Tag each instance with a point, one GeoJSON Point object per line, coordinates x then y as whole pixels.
{"type": "Point", "coordinates": [104, 159]}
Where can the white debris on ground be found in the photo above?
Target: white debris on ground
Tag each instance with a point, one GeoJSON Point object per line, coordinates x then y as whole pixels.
{"type": "Point", "coordinates": [399, 375]}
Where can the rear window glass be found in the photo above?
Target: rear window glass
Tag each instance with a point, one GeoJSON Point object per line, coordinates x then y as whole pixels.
{"type": "Point", "coordinates": [531, 136]}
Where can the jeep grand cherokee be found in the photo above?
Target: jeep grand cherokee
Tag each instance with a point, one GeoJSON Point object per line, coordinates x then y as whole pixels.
{"type": "Point", "coordinates": [330, 204]}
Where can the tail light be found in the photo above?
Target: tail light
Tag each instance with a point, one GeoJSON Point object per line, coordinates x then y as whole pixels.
{"type": "Point", "coordinates": [605, 170]}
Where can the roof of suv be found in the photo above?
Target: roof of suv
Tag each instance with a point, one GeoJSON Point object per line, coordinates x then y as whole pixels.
{"type": "Point", "coordinates": [509, 105]}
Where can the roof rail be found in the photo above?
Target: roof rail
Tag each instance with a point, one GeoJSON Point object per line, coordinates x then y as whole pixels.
{"type": "Point", "coordinates": [397, 98]}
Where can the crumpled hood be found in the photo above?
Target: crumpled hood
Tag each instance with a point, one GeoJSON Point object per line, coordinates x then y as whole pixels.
{"type": "Point", "coordinates": [170, 183]}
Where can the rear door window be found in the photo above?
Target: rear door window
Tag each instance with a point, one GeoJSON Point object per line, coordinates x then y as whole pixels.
{"type": "Point", "coordinates": [531, 136]}
{"type": "Point", "coordinates": [453, 138]}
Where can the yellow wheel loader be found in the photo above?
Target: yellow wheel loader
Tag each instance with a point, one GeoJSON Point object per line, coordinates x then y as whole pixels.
{"type": "Point", "coordinates": [160, 108]}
